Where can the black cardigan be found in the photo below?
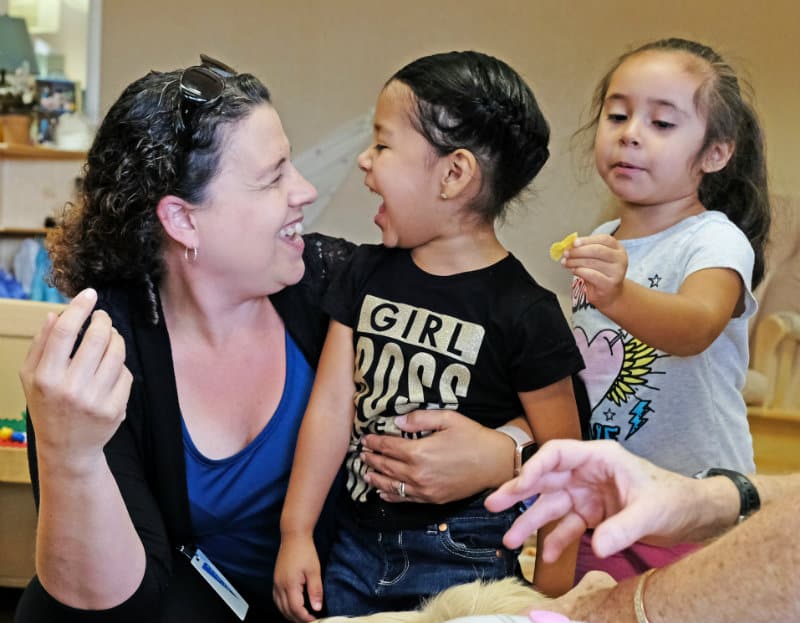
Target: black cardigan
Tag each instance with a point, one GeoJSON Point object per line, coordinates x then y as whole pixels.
{"type": "Point", "coordinates": [146, 454]}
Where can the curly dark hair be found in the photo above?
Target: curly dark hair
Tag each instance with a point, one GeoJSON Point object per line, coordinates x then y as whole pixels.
{"type": "Point", "coordinates": [470, 100]}
{"type": "Point", "coordinates": [740, 189]}
{"type": "Point", "coordinates": [139, 155]}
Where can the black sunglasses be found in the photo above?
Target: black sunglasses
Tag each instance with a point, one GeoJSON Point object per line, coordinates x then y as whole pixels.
{"type": "Point", "coordinates": [201, 86]}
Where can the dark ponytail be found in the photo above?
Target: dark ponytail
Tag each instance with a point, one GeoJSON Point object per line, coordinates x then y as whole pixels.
{"type": "Point", "coordinates": [469, 100]}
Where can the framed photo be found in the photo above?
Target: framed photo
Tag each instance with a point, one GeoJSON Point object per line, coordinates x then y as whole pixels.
{"type": "Point", "coordinates": [56, 95]}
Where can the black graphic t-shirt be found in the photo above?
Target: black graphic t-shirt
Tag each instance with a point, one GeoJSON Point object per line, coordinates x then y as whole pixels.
{"type": "Point", "coordinates": [468, 342]}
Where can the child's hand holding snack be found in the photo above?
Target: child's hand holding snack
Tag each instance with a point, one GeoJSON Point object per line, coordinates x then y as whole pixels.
{"type": "Point", "coordinates": [602, 262]}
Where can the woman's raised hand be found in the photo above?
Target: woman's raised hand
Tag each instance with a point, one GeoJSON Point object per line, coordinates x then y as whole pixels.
{"type": "Point", "coordinates": [76, 401]}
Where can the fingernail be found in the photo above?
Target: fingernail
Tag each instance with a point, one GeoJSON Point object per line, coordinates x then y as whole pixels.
{"type": "Point", "coordinates": [316, 605]}
{"type": "Point", "coordinates": [400, 421]}
{"type": "Point", "coordinates": [89, 293]}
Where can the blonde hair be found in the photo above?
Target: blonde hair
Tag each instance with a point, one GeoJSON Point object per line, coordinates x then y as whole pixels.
{"type": "Point", "coordinates": [506, 596]}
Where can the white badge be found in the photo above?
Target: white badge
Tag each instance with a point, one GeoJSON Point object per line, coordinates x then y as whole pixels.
{"type": "Point", "coordinates": [217, 580]}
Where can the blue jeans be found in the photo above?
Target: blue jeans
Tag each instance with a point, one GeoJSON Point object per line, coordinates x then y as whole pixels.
{"type": "Point", "coordinates": [378, 571]}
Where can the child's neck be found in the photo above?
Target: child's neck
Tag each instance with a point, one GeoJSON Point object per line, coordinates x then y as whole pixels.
{"type": "Point", "coordinates": [460, 253]}
{"type": "Point", "coordinates": [638, 221]}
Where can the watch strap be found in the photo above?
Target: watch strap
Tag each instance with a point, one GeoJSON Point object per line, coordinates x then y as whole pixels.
{"type": "Point", "coordinates": [521, 439]}
{"type": "Point", "coordinates": [515, 432]}
{"type": "Point", "coordinates": [749, 500]}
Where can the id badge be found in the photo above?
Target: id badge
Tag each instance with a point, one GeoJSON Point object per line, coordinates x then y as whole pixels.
{"type": "Point", "coordinates": [216, 580]}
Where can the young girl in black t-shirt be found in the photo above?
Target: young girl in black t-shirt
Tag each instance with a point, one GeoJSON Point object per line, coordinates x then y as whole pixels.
{"type": "Point", "coordinates": [440, 315]}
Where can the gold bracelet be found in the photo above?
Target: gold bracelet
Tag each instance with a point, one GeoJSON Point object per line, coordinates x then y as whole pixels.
{"type": "Point", "coordinates": [638, 597]}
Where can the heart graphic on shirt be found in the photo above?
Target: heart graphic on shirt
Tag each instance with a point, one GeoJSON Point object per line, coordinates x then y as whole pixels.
{"type": "Point", "coordinates": [603, 355]}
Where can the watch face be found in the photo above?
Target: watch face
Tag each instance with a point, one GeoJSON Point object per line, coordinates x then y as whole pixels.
{"type": "Point", "coordinates": [528, 450]}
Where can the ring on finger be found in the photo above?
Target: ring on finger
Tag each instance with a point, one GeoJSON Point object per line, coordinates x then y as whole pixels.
{"type": "Point", "coordinates": [401, 489]}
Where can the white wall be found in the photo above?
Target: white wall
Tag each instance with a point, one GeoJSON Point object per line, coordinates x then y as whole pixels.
{"type": "Point", "coordinates": [325, 62]}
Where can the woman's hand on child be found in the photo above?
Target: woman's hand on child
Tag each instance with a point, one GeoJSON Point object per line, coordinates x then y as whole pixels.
{"type": "Point", "coordinates": [76, 402]}
{"type": "Point", "coordinates": [602, 262]}
{"type": "Point", "coordinates": [458, 460]}
{"type": "Point", "coordinates": [297, 574]}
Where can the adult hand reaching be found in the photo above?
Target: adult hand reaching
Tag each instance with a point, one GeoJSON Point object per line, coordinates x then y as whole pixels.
{"type": "Point", "coordinates": [600, 485]}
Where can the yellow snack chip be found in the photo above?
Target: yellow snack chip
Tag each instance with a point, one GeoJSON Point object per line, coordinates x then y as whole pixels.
{"type": "Point", "coordinates": [557, 248]}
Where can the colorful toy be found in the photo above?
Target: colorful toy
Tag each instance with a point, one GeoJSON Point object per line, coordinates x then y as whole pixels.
{"type": "Point", "coordinates": [12, 431]}
{"type": "Point", "coordinates": [15, 423]}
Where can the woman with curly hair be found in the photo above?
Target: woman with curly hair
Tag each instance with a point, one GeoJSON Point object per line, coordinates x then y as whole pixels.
{"type": "Point", "coordinates": [166, 419]}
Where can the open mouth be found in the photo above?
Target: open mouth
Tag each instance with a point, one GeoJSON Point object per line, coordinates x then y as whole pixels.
{"type": "Point", "coordinates": [292, 232]}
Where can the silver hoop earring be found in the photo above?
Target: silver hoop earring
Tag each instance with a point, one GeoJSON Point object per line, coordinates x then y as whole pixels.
{"type": "Point", "coordinates": [186, 255]}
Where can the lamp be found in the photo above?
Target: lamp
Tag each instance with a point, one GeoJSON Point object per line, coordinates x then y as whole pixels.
{"type": "Point", "coordinates": [15, 46]}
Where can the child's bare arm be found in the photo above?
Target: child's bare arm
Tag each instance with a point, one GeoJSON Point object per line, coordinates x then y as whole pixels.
{"type": "Point", "coordinates": [683, 323]}
{"type": "Point", "coordinates": [321, 448]}
{"type": "Point", "coordinates": [553, 414]}
{"type": "Point", "coordinates": [324, 433]}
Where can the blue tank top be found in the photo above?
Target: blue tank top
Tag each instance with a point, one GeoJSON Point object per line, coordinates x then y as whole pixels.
{"type": "Point", "coordinates": [235, 503]}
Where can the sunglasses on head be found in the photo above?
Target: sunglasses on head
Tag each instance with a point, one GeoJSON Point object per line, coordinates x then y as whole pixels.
{"type": "Point", "coordinates": [201, 86]}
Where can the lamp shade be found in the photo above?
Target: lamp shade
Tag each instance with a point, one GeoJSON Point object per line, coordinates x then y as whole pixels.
{"type": "Point", "coordinates": [15, 45]}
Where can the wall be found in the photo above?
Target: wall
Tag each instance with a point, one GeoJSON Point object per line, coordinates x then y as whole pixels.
{"type": "Point", "coordinates": [65, 23]}
{"type": "Point", "coordinates": [325, 62]}
{"type": "Point", "coordinates": [71, 39]}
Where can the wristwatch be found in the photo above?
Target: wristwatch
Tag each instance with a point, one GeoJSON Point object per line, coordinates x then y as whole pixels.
{"type": "Point", "coordinates": [749, 502]}
{"type": "Point", "coordinates": [525, 447]}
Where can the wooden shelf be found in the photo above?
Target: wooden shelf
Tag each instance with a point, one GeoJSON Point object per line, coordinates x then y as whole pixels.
{"type": "Point", "coordinates": [17, 518]}
{"type": "Point", "coordinates": [36, 152]}
{"type": "Point", "coordinates": [776, 438]}
{"type": "Point", "coordinates": [22, 232]}
{"type": "Point", "coordinates": [14, 465]}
